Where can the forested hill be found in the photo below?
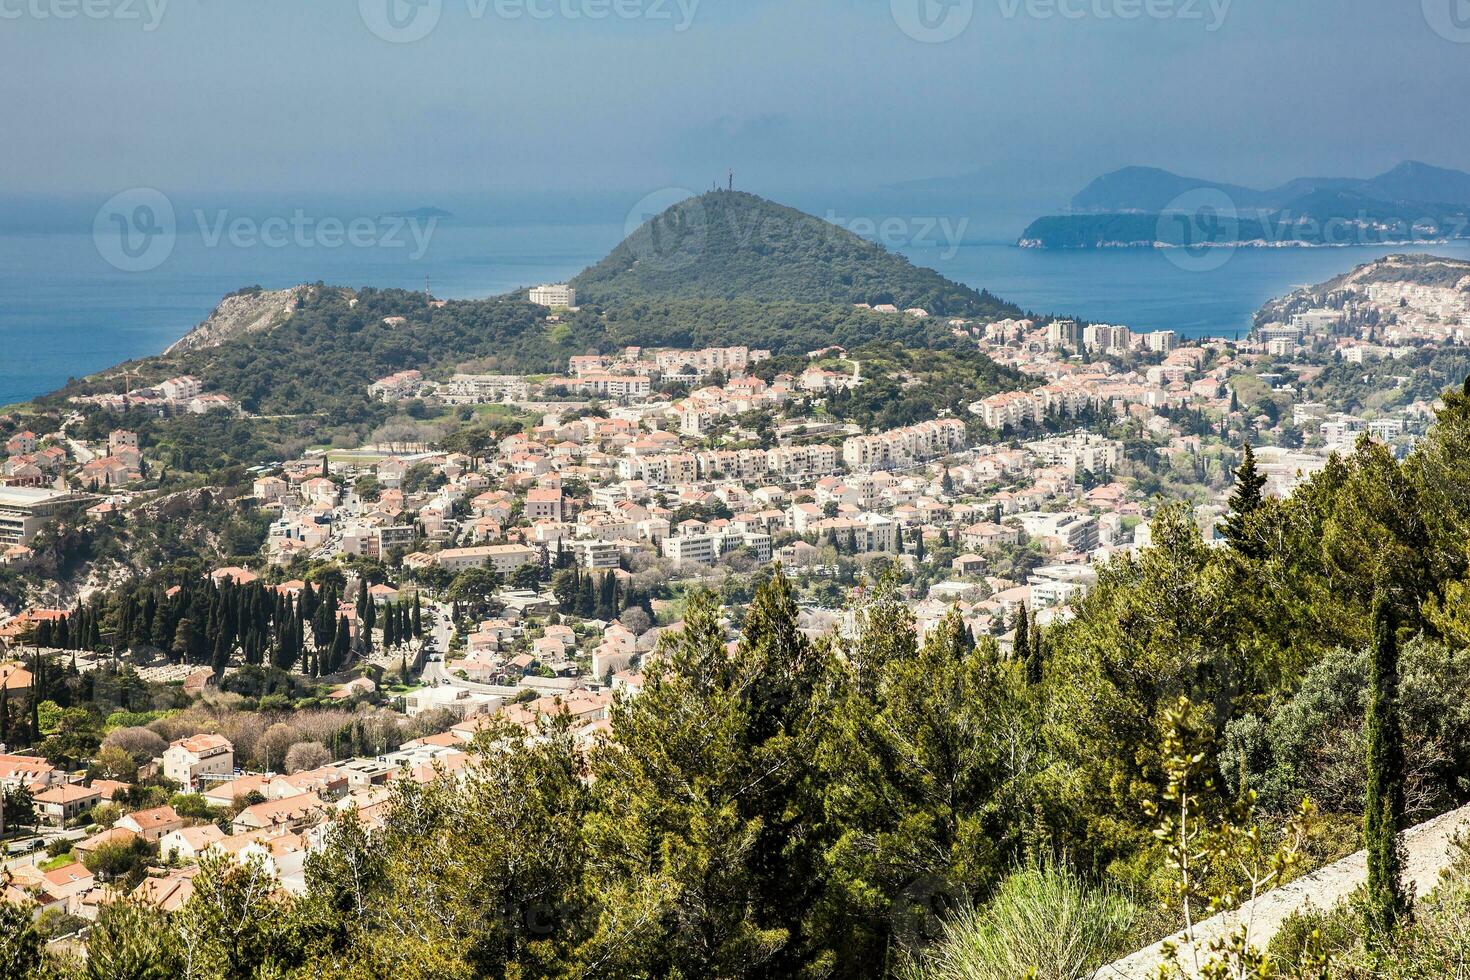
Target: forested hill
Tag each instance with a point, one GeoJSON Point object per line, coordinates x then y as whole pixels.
{"type": "Point", "coordinates": [732, 245]}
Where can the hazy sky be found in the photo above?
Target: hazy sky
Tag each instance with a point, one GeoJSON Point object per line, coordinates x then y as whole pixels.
{"type": "Point", "coordinates": [1037, 95]}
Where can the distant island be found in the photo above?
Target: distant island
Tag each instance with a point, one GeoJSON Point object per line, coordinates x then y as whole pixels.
{"type": "Point", "coordinates": [1145, 207]}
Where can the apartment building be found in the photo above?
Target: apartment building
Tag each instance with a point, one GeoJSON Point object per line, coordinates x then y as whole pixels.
{"type": "Point", "coordinates": [503, 558]}
{"type": "Point", "coordinates": [554, 295]}
{"type": "Point", "coordinates": [23, 511]}
{"type": "Point", "coordinates": [1084, 452]}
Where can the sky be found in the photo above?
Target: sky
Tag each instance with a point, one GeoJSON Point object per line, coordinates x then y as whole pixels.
{"type": "Point", "coordinates": [1031, 98]}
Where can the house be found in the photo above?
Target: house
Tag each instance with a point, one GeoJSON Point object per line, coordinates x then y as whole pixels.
{"type": "Point", "coordinates": [188, 843]}
{"type": "Point", "coordinates": [968, 565]}
{"type": "Point", "coordinates": [187, 759]}
{"type": "Point", "coordinates": [111, 789]}
{"type": "Point", "coordinates": [151, 824]}
{"type": "Point", "coordinates": [290, 813]}
{"type": "Point", "coordinates": [113, 835]}
{"type": "Point", "coordinates": [15, 679]}
{"type": "Point", "coordinates": [225, 794]}
{"type": "Point", "coordinates": [169, 893]}
{"type": "Point", "coordinates": [69, 882]}
{"type": "Point", "coordinates": [59, 805]}
{"type": "Point", "coordinates": [27, 770]}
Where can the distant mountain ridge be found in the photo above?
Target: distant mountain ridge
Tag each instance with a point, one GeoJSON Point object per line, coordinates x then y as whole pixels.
{"type": "Point", "coordinates": [1150, 189]}
{"type": "Point", "coordinates": [1133, 207]}
{"type": "Point", "coordinates": [731, 245]}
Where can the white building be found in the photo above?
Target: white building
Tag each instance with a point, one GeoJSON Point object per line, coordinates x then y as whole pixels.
{"type": "Point", "coordinates": [186, 759]}
{"type": "Point", "coordinates": [1084, 452]}
{"type": "Point", "coordinates": [700, 548]}
{"type": "Point", "coordinates": [23, 510]}
{"type": "Point", "coordinates": [554, 296]}
{"type": "Point", "coordinates": [595, 553]}
{"type": "Point", "coordinates": [503, 558]}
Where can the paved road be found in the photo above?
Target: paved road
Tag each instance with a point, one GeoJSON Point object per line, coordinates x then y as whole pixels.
{"type": "Point", "coordinates": [1428, 852]}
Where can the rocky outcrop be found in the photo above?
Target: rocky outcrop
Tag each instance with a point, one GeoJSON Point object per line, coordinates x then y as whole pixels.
{"type": "Point", "coordinates": [246, 312]}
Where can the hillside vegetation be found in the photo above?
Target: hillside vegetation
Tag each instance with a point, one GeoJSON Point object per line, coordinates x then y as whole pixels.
{"type": "Point", "coordinates": [732, 245]}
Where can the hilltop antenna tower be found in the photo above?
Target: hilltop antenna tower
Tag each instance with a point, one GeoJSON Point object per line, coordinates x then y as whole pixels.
{"type": "Point", "coordinates": [732, 180]}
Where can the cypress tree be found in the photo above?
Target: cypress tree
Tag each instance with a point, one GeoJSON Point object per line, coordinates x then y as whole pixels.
{"type": "Point", "coordinates": [341, 646]}
{"type": "Point", "coordinates": [586, 597]}
{"type": "Point", "coordinates": [418, 621]}
{"type": "Point", "coordinates": [1021, 647]}
{"type": "Point", "coordinates": [1036, 659]}
{"type": "Point", "coordinates": [1383, 809]}
{"type": "Point", "coordinates": [1245, 500]}
{"type": "Point", "coordinates": [221, 655]}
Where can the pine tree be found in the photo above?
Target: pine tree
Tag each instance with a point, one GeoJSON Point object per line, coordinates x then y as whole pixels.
{"type": "Point", "coordinates": [1245, 500]}
{"type": "Point", "coordinates": [1383, 810]}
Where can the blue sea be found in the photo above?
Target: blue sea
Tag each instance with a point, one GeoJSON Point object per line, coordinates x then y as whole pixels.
{"type": "Point", "coordinates": [65, 310]}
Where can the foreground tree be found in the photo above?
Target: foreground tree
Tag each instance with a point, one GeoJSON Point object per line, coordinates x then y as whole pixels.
{"type": "Point", "coordinates": [1245, 501]}
{"type": "Point", "coordinates": [707, 831]}
{"type": "Point", "coordinates": [929, 783]}
{"type": "Point", "coordinates": [1383, 805]}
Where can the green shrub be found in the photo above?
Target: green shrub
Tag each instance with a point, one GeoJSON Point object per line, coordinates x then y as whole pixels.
{"type": "Point", "coordinates": [1043, 921]}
